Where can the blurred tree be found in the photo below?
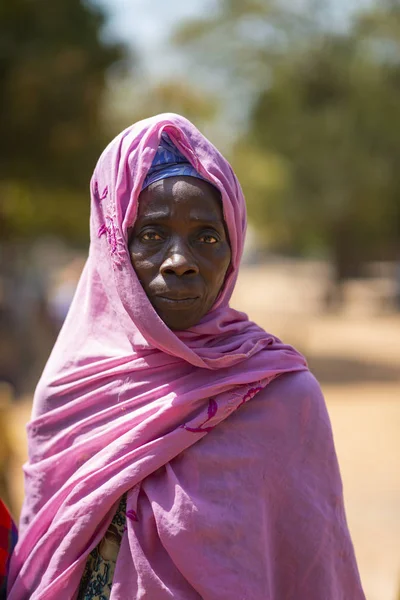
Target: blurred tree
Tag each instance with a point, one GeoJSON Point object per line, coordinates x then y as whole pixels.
{"type": "Point", "coordinates": [330, 114]}
{"type": "Point", "coordinates": [53, 65]}
{"type": "Point", "coordinates": [52, 79]}
{"type": "Point", "coordinates": [129, 101]}
{"type": "Point", "coordinates": [320, 156]}
{"type": "Point", "coordinates": [238, 42]}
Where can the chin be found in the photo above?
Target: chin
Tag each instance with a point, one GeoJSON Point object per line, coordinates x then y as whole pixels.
{"type": "Point", "coordinates": [182, 325]}
{"type": "Point", "coordinates": [180, 322]}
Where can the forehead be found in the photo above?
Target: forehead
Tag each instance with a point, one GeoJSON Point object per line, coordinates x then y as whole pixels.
{"type": "Point", "coordinates": [181, 195]}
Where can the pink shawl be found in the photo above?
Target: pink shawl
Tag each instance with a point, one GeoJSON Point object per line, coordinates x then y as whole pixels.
{"type": "Point", "coordinates": [124, 401]}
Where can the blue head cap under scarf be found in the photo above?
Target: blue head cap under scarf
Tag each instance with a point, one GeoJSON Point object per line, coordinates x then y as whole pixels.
{"type": "Point", "coordinates": [168, 162]}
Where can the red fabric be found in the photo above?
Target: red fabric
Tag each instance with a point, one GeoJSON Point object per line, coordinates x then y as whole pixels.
{"type": "Point", "coordinates": [8, 538]}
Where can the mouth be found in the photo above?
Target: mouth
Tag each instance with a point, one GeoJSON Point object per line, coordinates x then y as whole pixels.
{"type": "Point", "coordinates": [174, 302]}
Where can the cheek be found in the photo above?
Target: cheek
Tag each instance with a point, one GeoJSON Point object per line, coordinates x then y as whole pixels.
{"type": "Point", "coordinates": [144, 263]}
{"type": "Point", "coordinates": [143, 270]}
{"type": "Point", "coordinates": [218, 270]}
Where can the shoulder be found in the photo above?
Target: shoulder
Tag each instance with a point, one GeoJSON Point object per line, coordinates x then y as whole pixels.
{"type": "Point", "coordinates": [296, 391]}
{"type": "Point", "coordinates": [293, 409]}
{"type": "Point", "coordinates": [296, 384]}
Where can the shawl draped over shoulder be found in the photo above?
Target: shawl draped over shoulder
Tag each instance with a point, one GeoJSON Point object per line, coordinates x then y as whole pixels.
{"type": "Point", "coordinates": [218, 435]}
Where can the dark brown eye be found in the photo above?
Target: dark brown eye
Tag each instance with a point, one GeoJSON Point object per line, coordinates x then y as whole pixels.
{"type": "Point", "coordinates": [151, 236]}
{"type": "Point", "coordinates": [207, 238]}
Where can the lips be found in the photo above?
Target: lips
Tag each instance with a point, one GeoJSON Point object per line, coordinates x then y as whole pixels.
{"type": "Point", "coordinates": [176, 301]}
{"type": "Point", "coordinates": [177, 294]}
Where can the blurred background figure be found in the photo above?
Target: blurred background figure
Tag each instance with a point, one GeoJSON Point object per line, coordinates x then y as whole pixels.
{"type": "Point", "coordinates": [303, 97]}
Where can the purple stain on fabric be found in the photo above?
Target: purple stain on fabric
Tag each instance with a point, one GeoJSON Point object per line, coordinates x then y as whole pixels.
{"type": "Point", "coordinates": [131, 514]}
{"type": "Point", "coordinates": [212, 408]}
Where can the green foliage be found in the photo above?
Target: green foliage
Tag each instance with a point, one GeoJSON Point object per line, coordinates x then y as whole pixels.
{"type": "Point", "coordinates": [29, 212]}
{"type": "Point", "coordinates": [52, 78]}
{"type": "Point", "coordinates": [331, 113]}
{"type": "Point", "coordinates": [320, 156]}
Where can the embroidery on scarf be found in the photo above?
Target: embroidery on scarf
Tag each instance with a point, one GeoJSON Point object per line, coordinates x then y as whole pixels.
{"type": "Point", "coordinates": [213, 408]}
{"type": "Point", "coordinates": [109, 230]}
{"type": "Point", "coordinates": [97, 194]}
{"type": "Point", "coordinates": [111, 235]}
{"type": "Point", "coordinates": [102, 230]}
{"type": "Point", "coordinates": [250, 394]}
{"type": "Point", "coordinates": [211, 412]}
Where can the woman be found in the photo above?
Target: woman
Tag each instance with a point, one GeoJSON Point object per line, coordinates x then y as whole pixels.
{"type": "Point", "coordinates": [176, 449]}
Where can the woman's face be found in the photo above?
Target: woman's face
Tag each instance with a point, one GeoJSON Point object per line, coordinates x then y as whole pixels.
{"type": "Point", "coordinates": [179, 248]}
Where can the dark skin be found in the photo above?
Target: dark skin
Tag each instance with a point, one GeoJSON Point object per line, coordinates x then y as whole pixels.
{"type": "Point", "coordinates": [180, 249]}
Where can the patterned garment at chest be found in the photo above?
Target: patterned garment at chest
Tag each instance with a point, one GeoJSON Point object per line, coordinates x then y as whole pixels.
{"type": "Point", "coordinates": [98, 575]}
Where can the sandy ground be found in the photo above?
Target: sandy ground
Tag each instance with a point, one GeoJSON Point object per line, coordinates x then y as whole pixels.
{"type": "Point", "coordinates": [366, 425]}
{"type": "Point", "coordinates": [356, 357]}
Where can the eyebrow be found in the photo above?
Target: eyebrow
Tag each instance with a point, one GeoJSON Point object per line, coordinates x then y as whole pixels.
{"type": "Point", "coordinates": [165, 216]}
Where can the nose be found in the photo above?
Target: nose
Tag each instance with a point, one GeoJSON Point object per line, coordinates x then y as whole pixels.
{"type": "Point", "coordinates": [180, 262]}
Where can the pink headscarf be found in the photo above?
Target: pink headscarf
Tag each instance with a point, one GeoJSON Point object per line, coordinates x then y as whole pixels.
{"type": "Point", "coordinates": [122, 394]}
